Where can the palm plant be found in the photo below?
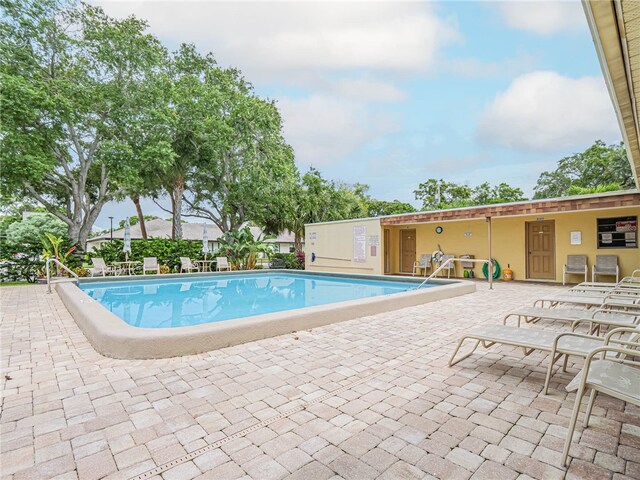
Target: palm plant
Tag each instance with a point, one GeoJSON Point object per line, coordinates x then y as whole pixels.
{"type": "Point", "coordinates": [242, 249]}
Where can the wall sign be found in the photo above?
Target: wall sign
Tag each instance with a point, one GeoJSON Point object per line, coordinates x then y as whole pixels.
{"type": "Point", "coordinates": [576, 238]}
{"type": "Point", "coordinates": [359, 243]}
{"type": "Point", "coordinates": [618, 232]}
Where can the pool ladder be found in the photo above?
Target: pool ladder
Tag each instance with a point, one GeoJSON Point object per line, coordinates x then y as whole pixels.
{"type": "Point", "coordinates": [451, 260]}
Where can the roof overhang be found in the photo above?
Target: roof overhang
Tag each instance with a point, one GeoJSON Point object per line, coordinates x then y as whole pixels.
{"type": "Point", "coordinates": [615, 27]}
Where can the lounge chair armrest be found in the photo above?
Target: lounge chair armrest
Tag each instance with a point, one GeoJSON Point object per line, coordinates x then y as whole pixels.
{"type": "Point", "coordinates": [573, 334]}
{"type": "Point", "coordinates": [617, 331]}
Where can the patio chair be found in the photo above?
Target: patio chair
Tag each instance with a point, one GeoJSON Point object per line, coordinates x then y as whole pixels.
{"type": "Point", "coordinates": [277, 264]}
{"type": "Point", "coordinates": [608, 369]}
{"type": "Point", "coordinates": [532, 339]}
{"type": "Point", "coordinates": [595, 318]}
{"type": "Point", "coordinates": [576, 265]}
{"type": "Point", "coordinates": [605, 265]}
{"type": "Point", "coordinates": [222, 264]}
{"type": "Point", "coordinates": [186, 265]}
{"type": "Point", "coordinates": [150, 264]}
{"type": "Point", "coordinates": [450, 266]}
{"type": "Point", "coordinates": [100, 267]}
{"type": "Point", "coordinates": [423, 264]}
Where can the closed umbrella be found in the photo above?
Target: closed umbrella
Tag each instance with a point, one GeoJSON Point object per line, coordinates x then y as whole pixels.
{"type": "Point", "coordinates": [127, 240]}
{"type": "Point", "coordinates": [205, 241]}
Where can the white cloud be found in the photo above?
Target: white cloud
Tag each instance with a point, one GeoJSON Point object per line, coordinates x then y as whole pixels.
{"type": "Point", "coordinates": [325, 130]}
{"type": "Point", "coordinates": [274, 40]}
{"type": "Point", "coordinates": [368, 90]}
{"type": "Point", "coordinates": [541, 16]}
{"type": "Point", "coordinates": [546, 111]}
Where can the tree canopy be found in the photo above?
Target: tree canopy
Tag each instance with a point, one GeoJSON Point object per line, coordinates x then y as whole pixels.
{"type": "Point", "coordinates": [69, 77]}
{"type": "Point", "coordinates": [438, 194]}
{"type": "Point", "coordinates": [599, 168]}
{"type": "Point", "coordinates": [31, 229]}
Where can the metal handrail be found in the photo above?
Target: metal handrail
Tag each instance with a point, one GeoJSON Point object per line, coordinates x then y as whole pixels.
{"type": "Point", "coordinates": [58, 264]}
{"type": "Point", "coordinates": [451, 260]}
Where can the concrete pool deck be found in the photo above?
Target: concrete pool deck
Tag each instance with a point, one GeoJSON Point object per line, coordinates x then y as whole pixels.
{"type": "Point", "coordinates": [113, 337]}
{"type": "Point", "coordinates": [366, 398]}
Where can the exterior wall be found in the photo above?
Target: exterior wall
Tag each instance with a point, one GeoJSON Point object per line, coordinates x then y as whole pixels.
{"type": "Point", "coordinates": [333, 246]}
{"type": "Point", "coordinates": [508, 240]}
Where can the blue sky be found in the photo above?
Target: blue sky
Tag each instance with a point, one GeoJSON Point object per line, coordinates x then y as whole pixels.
{"type": "Point", "coordinates": [393, 93]}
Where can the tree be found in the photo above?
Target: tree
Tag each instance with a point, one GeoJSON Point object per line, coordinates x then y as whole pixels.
{"type": "Point", "coordinates": [599, 165]}
{"type": "Point", "coordinates": [32, 229]}
{"type": "Point", "coordinates": [240, 145]}
{"type": "Point", "coordinates": [69, 80]}
{"type": "Point", "coordinates": [134, 220]}
{"type": "Point", "coordinates": [377, 208]}
{"type": "Point", "coordinates": [438, 194]}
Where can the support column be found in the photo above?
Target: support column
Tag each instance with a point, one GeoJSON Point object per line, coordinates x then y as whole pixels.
{"type": "Point", "coordinates": [490, 269]}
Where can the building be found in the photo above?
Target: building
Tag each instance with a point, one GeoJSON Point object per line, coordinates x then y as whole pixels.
{"type": "Point", "coordinates": [533, 238]}
{"type": "Point", "coordinates": [158, 228]}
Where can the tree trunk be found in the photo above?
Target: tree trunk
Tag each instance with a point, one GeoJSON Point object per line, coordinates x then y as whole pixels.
{"type": "Point", "coordinates": [298, 243]}
{"type": "Point", "coordinates": [143, 227]}
{"type": "Point", "coordinates": [176, 208]}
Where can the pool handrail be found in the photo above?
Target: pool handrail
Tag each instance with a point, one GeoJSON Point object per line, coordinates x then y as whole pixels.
{"type": "Point", "coordinates": [451, 260]}
{"type": "Point", "coordinates": [59, 264]}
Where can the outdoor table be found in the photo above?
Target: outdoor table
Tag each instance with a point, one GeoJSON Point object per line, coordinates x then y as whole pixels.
{"type": "Point", "coordinates": [205, 264]}
{"type": "Point", "coordinates": [128, 266]}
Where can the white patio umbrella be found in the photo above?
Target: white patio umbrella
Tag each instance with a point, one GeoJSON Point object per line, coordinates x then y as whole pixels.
{"type": "Point", "coordinates": [205, 241]}
{"type": "Point", "coordinates": [127, 239]}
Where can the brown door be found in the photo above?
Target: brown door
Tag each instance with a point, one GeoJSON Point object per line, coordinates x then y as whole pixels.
{"type": "Point", "coordinates": [541, 250]}
{"type": "Point", "coordinates": [407, 250]}
{"type": "Point", "coordinates": [387, 257]}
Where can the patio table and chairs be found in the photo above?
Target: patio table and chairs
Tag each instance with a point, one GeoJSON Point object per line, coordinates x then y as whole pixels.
{"type": "Point", "coordinates": [205, 265]}
{"type": "Point", "coordinates": [127, 267]}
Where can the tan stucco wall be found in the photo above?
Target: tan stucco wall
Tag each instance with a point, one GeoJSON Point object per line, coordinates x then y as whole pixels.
{"type": "Point", "coordinates": [508, 240]}
{"type": "Point", "coordinates": [333, 246]}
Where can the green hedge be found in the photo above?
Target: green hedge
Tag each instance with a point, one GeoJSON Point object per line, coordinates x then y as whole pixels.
{"type": "Point", "coordinates": [168, 252]}
{"type": "Point", "coordinates": [291, 261]}
{"type": "Point", "coordinates": [19, 262]}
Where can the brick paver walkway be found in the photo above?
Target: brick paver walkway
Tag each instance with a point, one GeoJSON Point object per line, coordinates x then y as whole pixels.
{"type": "Point", "coordinates": [364, 399]}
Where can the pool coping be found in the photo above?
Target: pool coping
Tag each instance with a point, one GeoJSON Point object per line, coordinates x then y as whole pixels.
{"type": "Point", "coordinates": [113, 337]}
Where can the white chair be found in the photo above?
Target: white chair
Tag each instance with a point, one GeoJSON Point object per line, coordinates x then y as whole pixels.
{"type": "Point", "coordinates": [423, 264]}
{"type": "Point", "coordinates": [100, 267]}
{"type": "Point", "coordinates": [614, 373]}
{"type": "Point", "coordinates": [576, 264]}
{"type": "Point", "coordinates": [222, 264]}
{"type": "Point", "coordinates": [150, 264]}
{"type": "Point", "coordinates": [186, 265]}
{"type": "Point", "coordinates": [605, 265]}
{"type": "Point", "coordinates": [450, 266]}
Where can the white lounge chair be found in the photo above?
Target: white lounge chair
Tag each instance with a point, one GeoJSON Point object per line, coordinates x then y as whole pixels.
{"type": "Point", "coordinates": [595, 318]}
{"type": "Point", "coordinates": [186, 265]}
{"type": "Point", "coordinates": [100, 267]}
{"type": "Point", "coordinates": [449, 266]}
{"type": "Point", "coordinates": [615, 298]}
{"type": "Point", "coordinates": [605, 265]}
{"type": "Point", "coordinates": [423, 264]}
{"type": "Point", "coordinates": [222, 264]}
{"type": "Point", "coordinates": [608, 369]}
{"type": "Point", "coordinates": [150, 264]}
{"type": "Point", "coordinates": [576, 265]}
{"type": "Point", "coordinates": [530, 340]}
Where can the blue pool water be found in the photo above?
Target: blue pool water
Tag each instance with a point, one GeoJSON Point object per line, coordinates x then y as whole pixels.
{"type": "Point", "coordinates": [181, 302]}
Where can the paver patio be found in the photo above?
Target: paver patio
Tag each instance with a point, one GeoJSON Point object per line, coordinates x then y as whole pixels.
{"type": "Point", "coordinates": [364, 399]}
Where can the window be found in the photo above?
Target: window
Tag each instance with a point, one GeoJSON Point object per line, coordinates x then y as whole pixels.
{"type": "Point", "coordinates": [618, 232]}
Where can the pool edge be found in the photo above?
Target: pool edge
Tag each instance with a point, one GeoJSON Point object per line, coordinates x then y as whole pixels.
{"type": "Point", "coordinates": [114, 338]}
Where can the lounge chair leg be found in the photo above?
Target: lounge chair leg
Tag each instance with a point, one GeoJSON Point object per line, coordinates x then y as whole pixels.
{"type": "Point", "coordinates": [587, 414]}
{"type": "Point", "coordinates": [451, 362]}
{"type": "Point", "coordinates": [572, 426]}
{"type": "Point", "coordinates": [552, 361]}
{"type": "Point", "coordinates": [564, 364]}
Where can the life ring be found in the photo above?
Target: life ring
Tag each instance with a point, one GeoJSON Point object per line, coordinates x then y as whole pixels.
{"type": "Point", "coordinates": [496, 269]}
{"type": "Point", "coordinates": [437, 256]}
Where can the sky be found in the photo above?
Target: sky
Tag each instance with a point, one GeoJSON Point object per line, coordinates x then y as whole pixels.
{"type": "Point", "coordinates": [391, 94]}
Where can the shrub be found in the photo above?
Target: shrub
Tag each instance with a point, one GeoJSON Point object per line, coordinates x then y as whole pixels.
{"type": "Point", "coordinates": [19, 262]}
{"type": "Point", "coordinates": [290, 260]}
{"type": "Point", "coordinates": [31, 230]}
{"type": "Point", "coordinates": [164, 269]}
{"type": "Point", "coordinates": [81, 272]}
{"type": "Point", "coordinates": [168, 252]}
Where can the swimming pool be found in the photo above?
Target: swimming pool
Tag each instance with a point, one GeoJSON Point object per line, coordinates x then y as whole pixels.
{"type": "Point", "coordinates": [171, 303]}
{"type": "Point", "coordinates": [182, 314]}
